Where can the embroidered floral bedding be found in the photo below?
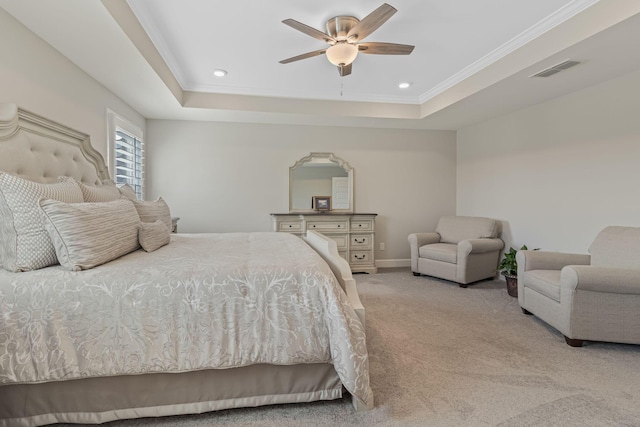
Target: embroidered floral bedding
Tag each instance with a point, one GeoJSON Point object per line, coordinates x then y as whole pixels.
{"type": "Point", "coordinates": [203, 301]}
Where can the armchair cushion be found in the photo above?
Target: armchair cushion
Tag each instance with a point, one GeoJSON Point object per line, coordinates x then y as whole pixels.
{"type": "Point", "coordinates": [453, 229]}
{"type": "Point", "coordinates": [446, 252]}
{"type": "Point", "coordinates": [546, 282]}
{"type": "Point", "coordinates": [616, 246]}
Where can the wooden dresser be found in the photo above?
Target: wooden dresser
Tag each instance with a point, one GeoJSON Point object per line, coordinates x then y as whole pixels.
{"type": "Point", "coordinates": [353, 233]}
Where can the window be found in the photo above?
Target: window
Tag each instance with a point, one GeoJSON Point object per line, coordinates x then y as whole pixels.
{"type": "Point", "coordinates": [129, 161]}
{"type": "Point", "coordinates": [126, 153]}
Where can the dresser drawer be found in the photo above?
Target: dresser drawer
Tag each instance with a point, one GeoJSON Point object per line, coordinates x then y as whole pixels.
{"type": "Point", "coordinates": [340, 239]}
{"type": "Point", "coordinates": [291, 226]}
{"type": "Point", "coordinates": [361, 241]}
{"type": "Point", "coordinates": [360, 257]}
{"type": "Point", "coordinates": [362, 225]}
{"type": "Point", "coordinates": [327, 226]}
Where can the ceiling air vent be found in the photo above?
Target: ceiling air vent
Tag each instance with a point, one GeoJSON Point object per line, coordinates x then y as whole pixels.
{"type": "Point", "coordinates": [555, 68]}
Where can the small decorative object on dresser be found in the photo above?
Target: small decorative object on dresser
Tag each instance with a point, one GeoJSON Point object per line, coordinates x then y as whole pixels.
{"type": "Point", "coordinates": [322, 203]}
{"type": "Point", "coordinates": [353, 233]}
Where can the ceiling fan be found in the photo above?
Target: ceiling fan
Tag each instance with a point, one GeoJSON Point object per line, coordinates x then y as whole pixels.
{"type": "Point", "coordinates": [345, 34]}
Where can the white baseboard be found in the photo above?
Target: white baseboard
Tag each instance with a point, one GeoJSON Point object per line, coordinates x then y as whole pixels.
{"type": "Point", "coordinates": [391, 263]}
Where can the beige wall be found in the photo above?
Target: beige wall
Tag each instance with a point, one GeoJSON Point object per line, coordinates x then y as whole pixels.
{"type": "Point", "coordinates": [557, 172]}
{"type": "Point", "coordinates": [222, 177]}
{"type": "Point", "coordinates": [38, 78]}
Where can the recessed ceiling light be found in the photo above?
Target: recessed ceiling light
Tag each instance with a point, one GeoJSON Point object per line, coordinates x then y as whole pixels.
{"type": "Point", "coordinates": [404, 85]}
{"type": "Point", "coordinates": [220, 73]}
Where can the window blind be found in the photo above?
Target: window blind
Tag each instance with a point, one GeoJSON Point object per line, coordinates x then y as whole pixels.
{"type": "Point", "coordinates": [129, 161]}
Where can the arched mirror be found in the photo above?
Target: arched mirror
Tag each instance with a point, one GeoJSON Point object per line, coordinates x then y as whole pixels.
{"type": "Point", "coordinates": [319, 176]}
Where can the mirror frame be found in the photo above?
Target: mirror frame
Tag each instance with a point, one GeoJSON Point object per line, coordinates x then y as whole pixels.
{"type": "Point", "coordinates": [330, 157]}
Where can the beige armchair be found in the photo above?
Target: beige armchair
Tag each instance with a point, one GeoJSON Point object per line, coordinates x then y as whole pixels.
{"type": "Point", "coordinates": [586, 297]}
{"type": "Point", "coordinates": [463, 249]}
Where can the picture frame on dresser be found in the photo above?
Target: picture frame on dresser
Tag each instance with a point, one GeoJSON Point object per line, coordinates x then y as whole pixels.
{"type": "Point", "coordinates": [321, 203]}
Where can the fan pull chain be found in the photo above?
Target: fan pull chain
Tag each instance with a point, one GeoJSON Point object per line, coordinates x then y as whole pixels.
{"type": "Point", "coordinates": [341, 87]}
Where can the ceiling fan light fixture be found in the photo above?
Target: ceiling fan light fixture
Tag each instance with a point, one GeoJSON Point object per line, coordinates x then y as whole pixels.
{"type": "Point", "coordinates": [345, 34]}
{"type": "Point", "coordinates": [342, 53]}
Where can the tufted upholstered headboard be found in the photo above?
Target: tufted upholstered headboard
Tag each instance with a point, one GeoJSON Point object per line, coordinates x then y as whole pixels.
{"type": "Point", "coordinates": [41, 150]}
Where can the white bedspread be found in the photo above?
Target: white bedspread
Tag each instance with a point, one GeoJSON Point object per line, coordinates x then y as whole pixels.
{"type": "Point", "coordinates": [204, 301]}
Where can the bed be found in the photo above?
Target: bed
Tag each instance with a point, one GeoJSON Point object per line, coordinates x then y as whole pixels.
{"type": "Point", "coordinates": [206, 322]}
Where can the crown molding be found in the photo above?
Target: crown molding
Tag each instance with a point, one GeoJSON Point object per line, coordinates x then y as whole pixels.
{"type": "Point", "coordinates": [309, 96]}
{"type": "Point", "coordinates": [558, 17]}
{"type": "Point", "coordinates": [158, 40]}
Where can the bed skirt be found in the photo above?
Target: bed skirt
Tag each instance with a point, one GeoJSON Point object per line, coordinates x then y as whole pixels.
{"type": "Point", "coordinates": [99, 400]}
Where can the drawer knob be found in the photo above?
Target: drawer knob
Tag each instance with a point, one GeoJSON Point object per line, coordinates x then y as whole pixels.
{"type": "Point", "coordinates": [290, 226]}
{"type": "Point", "coordinates": [360, 257]}
{"type": "Point", "coordinates": [314, 226]}
{"type": "Point", "coordinates": [359, 225]}
{"type": "Point", "coordinates": [360, 241]}
{"type": "Point", "coordinates": [338, 225]}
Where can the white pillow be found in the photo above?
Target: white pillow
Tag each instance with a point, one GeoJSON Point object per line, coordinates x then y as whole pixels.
{"type": "Point", "coordinates": [24, 243]}
{"type": "Point", "coordinates": [151, 211]}
{"type": "Point", "coordinates": [127, 191]}
{"type": "Point", "coordinates": [153, 235]}
{"type": "Point", "coordinates": [107, 192]}
{"type": "Point", "coordinates": [89, 234]}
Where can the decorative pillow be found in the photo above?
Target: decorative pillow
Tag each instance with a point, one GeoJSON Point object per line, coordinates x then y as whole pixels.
{"type": "Point", "coordinates": [24, 243]}
{"type": "Point", "coordinates": [89, 234]}
{"type": "Point", "coordinates": [127, 191]}
{"type": "Point", "coordinates": [151, 211]}
{"type": "Point", "coordinates": [107, 192]}
{"type": "Point", "coordinates": [153, 235]}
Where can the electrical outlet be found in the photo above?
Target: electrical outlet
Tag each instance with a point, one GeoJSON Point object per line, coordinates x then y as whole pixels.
{"type": "Point", "coordinates": [382, 246]}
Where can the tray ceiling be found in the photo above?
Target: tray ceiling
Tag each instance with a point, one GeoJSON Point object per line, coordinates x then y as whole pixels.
{"type": "Point", "coordinates": [472, 60]}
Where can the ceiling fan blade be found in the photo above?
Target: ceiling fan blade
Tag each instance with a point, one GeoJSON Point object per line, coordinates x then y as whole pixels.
{"type": "Point", "coordinates": [303, 56]}
{"type": "Point", "coordinates": [371, 22]}
{"type": "Point", "coordinates": [310, 31]}
{"type": "Point", "coordinates": [344, 70]}
{"type": "Point", "coordinates": [377, 48]}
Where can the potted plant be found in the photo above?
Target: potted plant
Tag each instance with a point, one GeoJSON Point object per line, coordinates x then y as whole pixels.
{"type": "Point", "coordinates": [509, 269]}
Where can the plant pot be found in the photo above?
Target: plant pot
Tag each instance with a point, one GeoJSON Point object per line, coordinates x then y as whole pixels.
{"type": "Point", "coordinates": [512, 284]}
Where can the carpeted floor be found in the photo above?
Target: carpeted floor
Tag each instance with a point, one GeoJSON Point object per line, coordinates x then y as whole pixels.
{"type": "Point", "coordinates": [441, 355]}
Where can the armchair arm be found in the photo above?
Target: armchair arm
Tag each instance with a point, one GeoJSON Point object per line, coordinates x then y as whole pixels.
{"type": "Point", "coordinates": [546, 260]}
{"type": "Point", "coordinates": [478, 246]}
{"type": "Point", "coordinates": [613, 280]}
{"type": "Point", "coordinates": [420, 239]}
